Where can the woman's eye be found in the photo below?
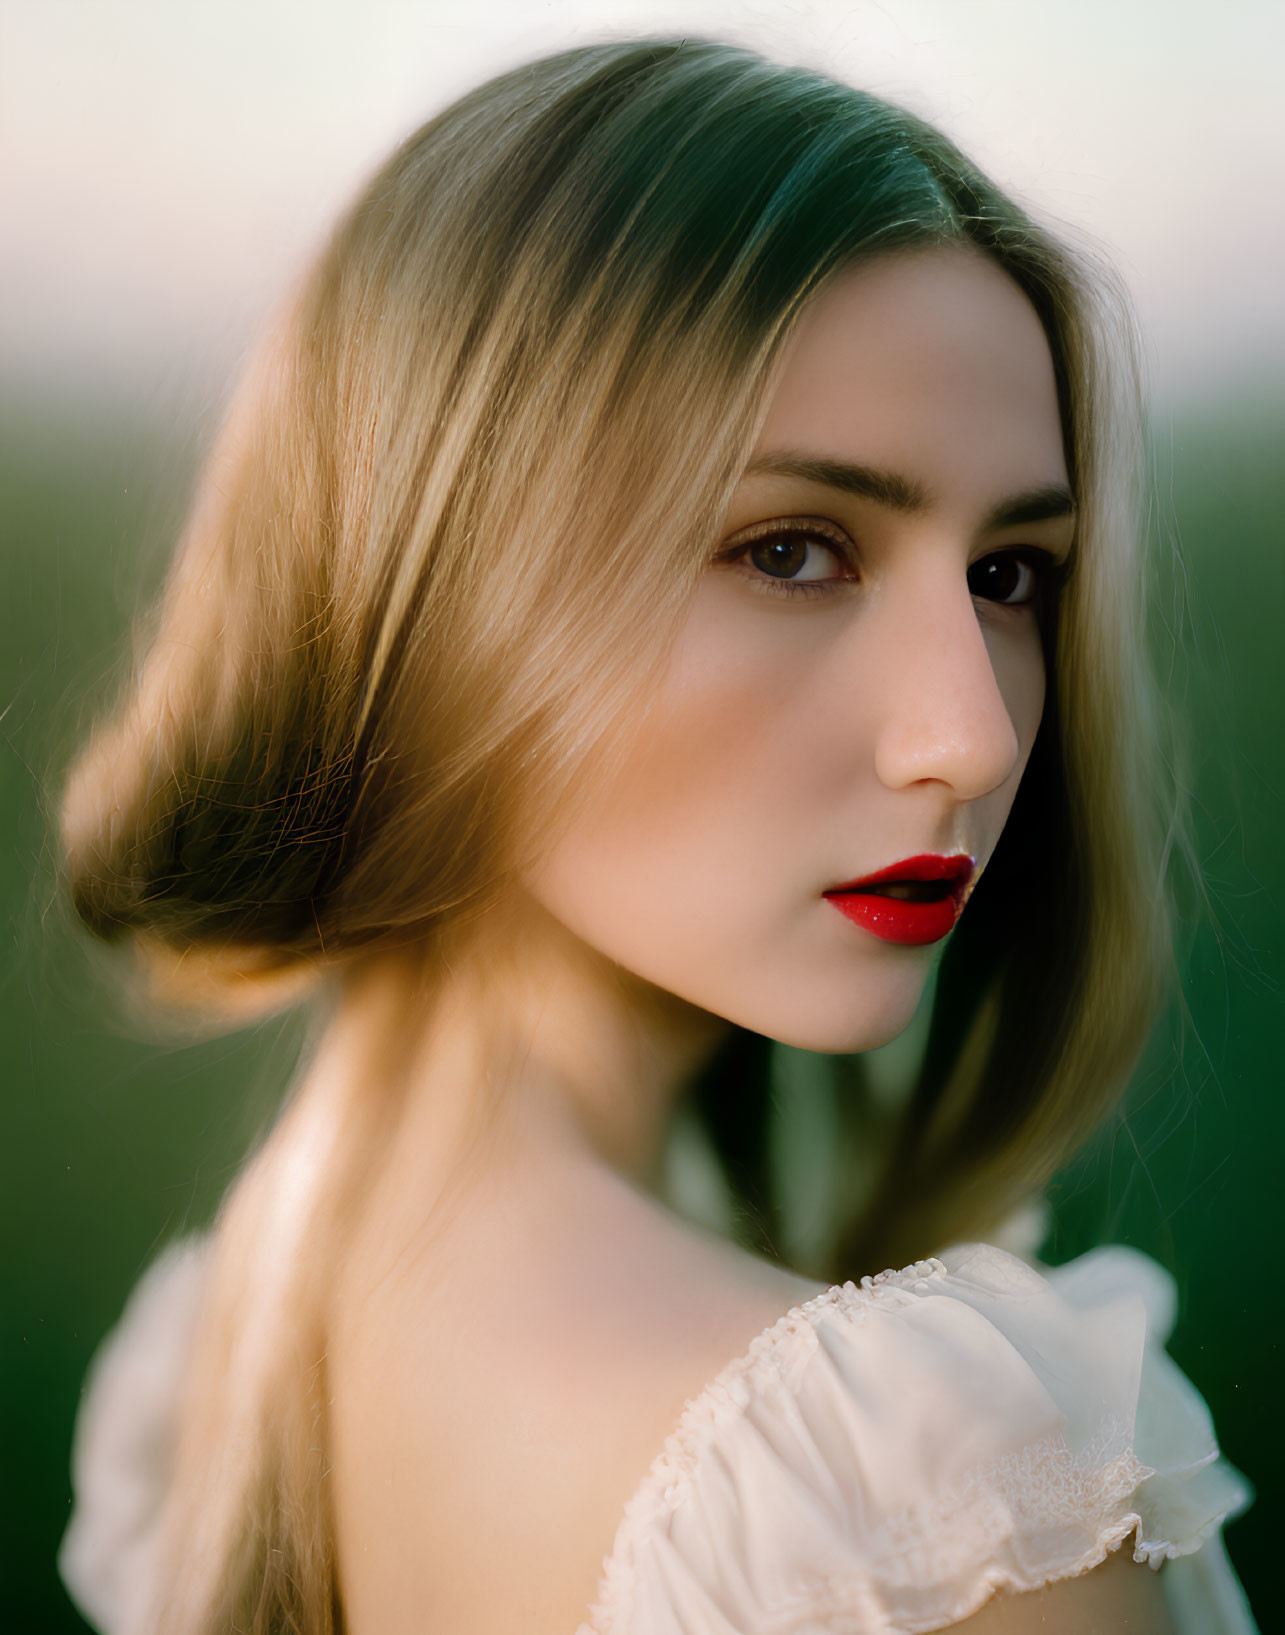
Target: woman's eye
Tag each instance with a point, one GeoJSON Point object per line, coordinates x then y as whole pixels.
{"type": "Point", "coordinates": [792, 561]}
{"type": "Point", "coordinates": [1006, 577]}
{"type": "Point", "coordinates": [793, 556]}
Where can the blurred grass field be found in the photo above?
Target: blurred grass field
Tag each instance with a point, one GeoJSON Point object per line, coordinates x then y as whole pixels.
{"type": "Point", "coordinates": [114, 1144]}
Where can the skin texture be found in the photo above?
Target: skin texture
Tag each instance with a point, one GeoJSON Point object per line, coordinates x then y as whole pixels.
{"type": "Point", "coordinates": [513, 1252]}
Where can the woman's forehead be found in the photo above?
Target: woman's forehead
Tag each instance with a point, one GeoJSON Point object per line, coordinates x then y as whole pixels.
{"type": "Point", "coordinates": [930, 364]}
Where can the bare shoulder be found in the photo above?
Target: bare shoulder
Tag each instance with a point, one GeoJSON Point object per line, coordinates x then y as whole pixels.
{"type": "Point", "coordinates": [498, 1391]}
{"type": "Point", "coordinates": [1120, 1597]}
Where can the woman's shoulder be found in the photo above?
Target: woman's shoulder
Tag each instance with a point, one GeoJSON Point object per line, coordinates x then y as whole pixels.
{"type": "Point", "coordinates": [889, 1453]}
{"type": "Point", "coordinates": [505, 1388]}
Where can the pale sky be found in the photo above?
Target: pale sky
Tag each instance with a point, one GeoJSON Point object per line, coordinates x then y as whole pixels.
{"type": "Point", "coordinates": [166, 166]}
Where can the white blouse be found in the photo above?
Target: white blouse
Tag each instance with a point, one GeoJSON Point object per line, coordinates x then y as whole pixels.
{"type": "Point", "coordinates": [879, 1461]}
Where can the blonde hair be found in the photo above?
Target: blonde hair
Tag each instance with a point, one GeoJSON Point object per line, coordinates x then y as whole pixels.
{"type": "Point", "coordinates": [447, 535]}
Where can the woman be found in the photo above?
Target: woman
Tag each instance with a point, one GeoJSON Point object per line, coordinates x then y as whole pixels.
{"type": "Point", "coordinates": [673, 554]}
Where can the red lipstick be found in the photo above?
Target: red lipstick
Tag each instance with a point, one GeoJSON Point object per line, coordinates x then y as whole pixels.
{"type": "Point", "coordinates": [913, 902]}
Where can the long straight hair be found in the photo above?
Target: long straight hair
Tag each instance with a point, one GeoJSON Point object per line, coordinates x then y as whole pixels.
{"type": "Point", "coordinates": [444, 542]}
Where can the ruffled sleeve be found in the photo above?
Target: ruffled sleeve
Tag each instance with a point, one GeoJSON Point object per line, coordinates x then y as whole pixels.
{"type": "Point", "coordinates": [891, 1453]}
{"type": "Point", "coordinates": [126, 1439]}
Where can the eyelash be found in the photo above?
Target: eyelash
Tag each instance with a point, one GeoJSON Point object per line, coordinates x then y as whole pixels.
{"type": "Point", "coordinates": [1048, 570]}
{"type": "Point", "coordinates": [768, 584]}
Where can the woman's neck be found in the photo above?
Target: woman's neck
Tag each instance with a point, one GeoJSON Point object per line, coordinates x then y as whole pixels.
{"type": "Point", "coordinates": [528, 1034]}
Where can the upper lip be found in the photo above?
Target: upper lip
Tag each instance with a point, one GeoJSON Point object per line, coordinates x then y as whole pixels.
{"type": "Point", "coordinates": [958, 867]}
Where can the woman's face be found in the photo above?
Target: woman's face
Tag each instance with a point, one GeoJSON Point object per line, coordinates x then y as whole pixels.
{"type": "Point", "coordinates": [859, 679]}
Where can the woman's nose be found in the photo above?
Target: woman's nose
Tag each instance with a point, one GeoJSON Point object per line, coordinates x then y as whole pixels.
{"type": "Point", "coordinates": [944, 717]}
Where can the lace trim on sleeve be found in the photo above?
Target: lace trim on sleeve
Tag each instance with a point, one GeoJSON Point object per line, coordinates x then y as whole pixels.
{"type": "Point", "coordinates": [754, 1517]}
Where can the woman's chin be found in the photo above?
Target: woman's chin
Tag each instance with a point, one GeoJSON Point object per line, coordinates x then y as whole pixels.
{"type": "Point", "coordinates": [840, 1041]}
{"type": "Point", "coordinates": [845, 1028]}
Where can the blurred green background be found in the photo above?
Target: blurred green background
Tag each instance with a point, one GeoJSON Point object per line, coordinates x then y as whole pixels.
{"type": "Point", "coordinates": [114, 1145]}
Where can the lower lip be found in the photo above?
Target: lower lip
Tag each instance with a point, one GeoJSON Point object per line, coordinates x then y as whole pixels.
{"type": "Point", "coordinates": [892, 919]}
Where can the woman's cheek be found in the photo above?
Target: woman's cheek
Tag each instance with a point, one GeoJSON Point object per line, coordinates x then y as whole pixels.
{"type": "Point", "coordinates": [708, 814]}
{"type": "Point", "coordinates": [1017, 657]}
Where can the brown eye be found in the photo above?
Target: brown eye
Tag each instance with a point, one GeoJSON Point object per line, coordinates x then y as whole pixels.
{"type": "Point", "coordinates": [794, 556]}
{"type": "Point", "coordinates": [1005, 577]}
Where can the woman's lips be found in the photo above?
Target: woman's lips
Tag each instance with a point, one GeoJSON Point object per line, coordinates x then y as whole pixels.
{"type": "Point", "coordinates": [913, 902]}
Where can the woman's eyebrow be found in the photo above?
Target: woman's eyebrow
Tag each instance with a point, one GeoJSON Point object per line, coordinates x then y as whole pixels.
{"type": "Point", "coordinates": [867, 482]}
{"type": "Point", "coordinates": [1036, 505]}
{"type": "Point", "coordinates": [1041, 504]}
